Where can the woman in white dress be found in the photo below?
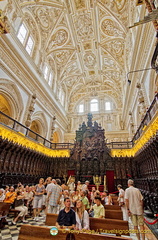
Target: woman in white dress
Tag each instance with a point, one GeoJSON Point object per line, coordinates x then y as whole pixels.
{"type": "Point", "coordinates": [82, 217]}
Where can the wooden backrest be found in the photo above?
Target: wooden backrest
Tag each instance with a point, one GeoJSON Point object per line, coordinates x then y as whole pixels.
{"type": "Point", "coordinates": [114, 214]}
{"type": "Point", "coordinates": [112, 207]}
{"type": "Point", "coordinates": [97, 223]}
{"type": "Point", "coordinates": [4, 207]}
{"type": "Point", "coordinates": [109, 225]}
{"type": "Point", "coordinates": [51, 219]}
{"type": "Point", "coordinates": [29, 232]}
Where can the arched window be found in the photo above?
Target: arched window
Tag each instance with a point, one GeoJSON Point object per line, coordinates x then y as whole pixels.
{"type": "Point", "coordinates": [107, 106]}
{"type": "Point", "coordinates": [46, 73]}
{"type": "Point", "coordinates": [81, 108]}
{"type": "Point", "coordinates": [25, 38]}
{"type": "Point", "coordinates": [94, 105]}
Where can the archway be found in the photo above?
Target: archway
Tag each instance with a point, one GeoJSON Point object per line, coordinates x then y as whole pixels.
{"type": "Point", "coordinates": [35, 127]}
{"type": "Point", "coordinates": [5, 108]}
{"type": "Point", "coordinates": [56, 137]}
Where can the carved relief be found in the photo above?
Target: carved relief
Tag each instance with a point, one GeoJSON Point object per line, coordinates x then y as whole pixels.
{"type": "Point", "coordinates": [111, 28]}
{"type": "Point", "coordinates": [90, 60]}
{"type": "Point", "coordinates": [59, 38]}
{"type": "Point", "coordinates": [84, 28]}
{"type": "Point", "coordinates": [80, 4]}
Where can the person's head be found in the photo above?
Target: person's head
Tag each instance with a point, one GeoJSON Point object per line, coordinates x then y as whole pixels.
{"type": "Point", "coordinates": [72, 193]}
{"type": "Point", "coordinates": [58, 181]}
{"type": "Point", "coordinates": [30, 189]}
{"type": "Point", "coordinates": [119, 186]}
{"type": "Point", "coordinates": [78, 182]}
{"type": "Point", "coordinates": [66, 193]}
{"type": "Point", "coordinates": [7, 188]}
{"type": "Point", "coordinates": [48, 180]}
{"type": "Point", "coordinates": [80, 206]}
{"type": "Point", "coordinates": [19, 193]}
{"type": "Point", "coordinates": [67, 202]}
{"type": "Point", "coordinates": [11, 189]}
{"type": "Point", "coordinates": [87, 183]}
{"type": "Point", "coordinates": [106, 193]}
{"type": "Point", "coordinates": [83, 193]}
{"type": "Point", "coordinates": [26, 188]}
{"type": "Point", "coordinates": [97, 200]}
{"type": "Point", "coordinates": [93, 189]}
{"type": "Point", "coordinates": [54, 181]}
{"type": "Point", "coordinates": [41, 181]}
{"type": "Point", "coordinates": [130, 182]}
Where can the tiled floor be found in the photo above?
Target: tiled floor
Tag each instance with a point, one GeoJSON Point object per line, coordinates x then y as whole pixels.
{"type": "Point", "coordinates": [11, 232]}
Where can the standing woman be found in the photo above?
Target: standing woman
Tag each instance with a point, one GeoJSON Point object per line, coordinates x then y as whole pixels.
{"type": "Point", "coordinates": [82, 217]}
{"type": "Point", "coordinates": [38, 199]}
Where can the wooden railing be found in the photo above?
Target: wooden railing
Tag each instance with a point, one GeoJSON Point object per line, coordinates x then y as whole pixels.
{"type": "Point", "coordinates": [146, 120]}
{"type": "Point", "coordinates": [18, 127]}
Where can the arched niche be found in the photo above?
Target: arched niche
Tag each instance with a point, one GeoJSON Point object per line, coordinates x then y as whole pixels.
{"type": "Point", "coordinates": [11, 99]}
{"type": "Point", "coordinates": [4, 108]}
{"type": "Point", "coordinates": [57, 136]}
{"type": "Point", "coordinates": [39, 125]}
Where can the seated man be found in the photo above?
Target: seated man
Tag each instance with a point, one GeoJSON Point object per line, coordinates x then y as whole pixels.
{"type": "Point", "coordinates": [99, 211]}
{"type": "Point", "coordinates": [66, 217]}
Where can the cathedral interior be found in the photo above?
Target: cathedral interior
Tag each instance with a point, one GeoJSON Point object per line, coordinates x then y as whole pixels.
{"type": "Point", "coordinates": [79, 92]}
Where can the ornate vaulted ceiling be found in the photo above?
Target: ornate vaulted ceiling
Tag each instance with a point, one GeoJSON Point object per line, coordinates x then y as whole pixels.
{"type": "Point", "coordinates": [83, 41]}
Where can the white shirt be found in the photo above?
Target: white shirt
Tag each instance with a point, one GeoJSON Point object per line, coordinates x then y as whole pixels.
{"type": "Point", "coordinates": [135, 198]}
{"type": "Point", "coordinates": [84, 187]}
{"type": "Point", "coordinates": [121, 193]}
{"type": "Point", "coordinates": [84, 222]}
{"type": "Point", "coordinates": [49, 187]}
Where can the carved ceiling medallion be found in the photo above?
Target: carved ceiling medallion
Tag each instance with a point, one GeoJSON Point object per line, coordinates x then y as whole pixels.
{"type": "Point", "coordinates": [89, 60]}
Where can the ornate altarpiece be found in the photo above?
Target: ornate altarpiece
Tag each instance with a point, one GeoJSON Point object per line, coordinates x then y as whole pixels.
{"type": "Point", "coordinates": [90, 156]}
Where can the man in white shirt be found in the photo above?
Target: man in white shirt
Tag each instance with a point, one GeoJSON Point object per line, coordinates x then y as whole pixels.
{"type": "Point", "coordinates": [134, 203]}
{"type": "Point", "coordinates": [50, 182]}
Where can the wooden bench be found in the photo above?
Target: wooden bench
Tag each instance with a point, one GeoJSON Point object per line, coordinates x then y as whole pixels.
{"type": "Point", "coordinates": [118, 227]}
{"type": "Point", "coordinates": [97, 223]}
{"type": "Point", "coordinates": [29, 232]}
{"type": "Point", "coordinates": [14, 212]}
{"type": "Point", "coordinates": [4, 210]}
{"type": "Point", "coordinates": [112, 207]}
{"type": "Point", "coordinates": [114, 214]}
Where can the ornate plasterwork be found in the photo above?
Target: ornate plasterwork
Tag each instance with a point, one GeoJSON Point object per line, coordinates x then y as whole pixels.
{"type": "Point", "coordinates": [83, 24]}
{"type": "Point", "coordinates": [59, 38]}
{"type": "Point", "coordinates": [111, 28]}
{"type": "Point", "coordinates": [89, 60]}
{"type": "Point", "coordinates": [81, 41]}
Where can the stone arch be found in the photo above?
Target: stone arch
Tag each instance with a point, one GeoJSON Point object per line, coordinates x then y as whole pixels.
{"type": "Point", "coordinates": [57, 136]}
{"type": "Point", "coordinates": [39, 124]}
{"type": "Point", "coordinates": [12, 98]}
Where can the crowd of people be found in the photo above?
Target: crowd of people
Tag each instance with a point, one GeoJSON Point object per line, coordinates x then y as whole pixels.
{"type": "Point", "coordinates": [74, 204]}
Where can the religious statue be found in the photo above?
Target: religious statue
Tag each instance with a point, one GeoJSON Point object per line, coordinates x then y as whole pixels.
{"type": "Point", "coordinates": [97, 181]}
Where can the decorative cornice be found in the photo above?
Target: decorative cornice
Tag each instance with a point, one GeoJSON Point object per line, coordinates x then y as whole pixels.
{"type": "Point", "coordinates": [149, 132]}
{"type": "Point", "coordinates": [20, 139]}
